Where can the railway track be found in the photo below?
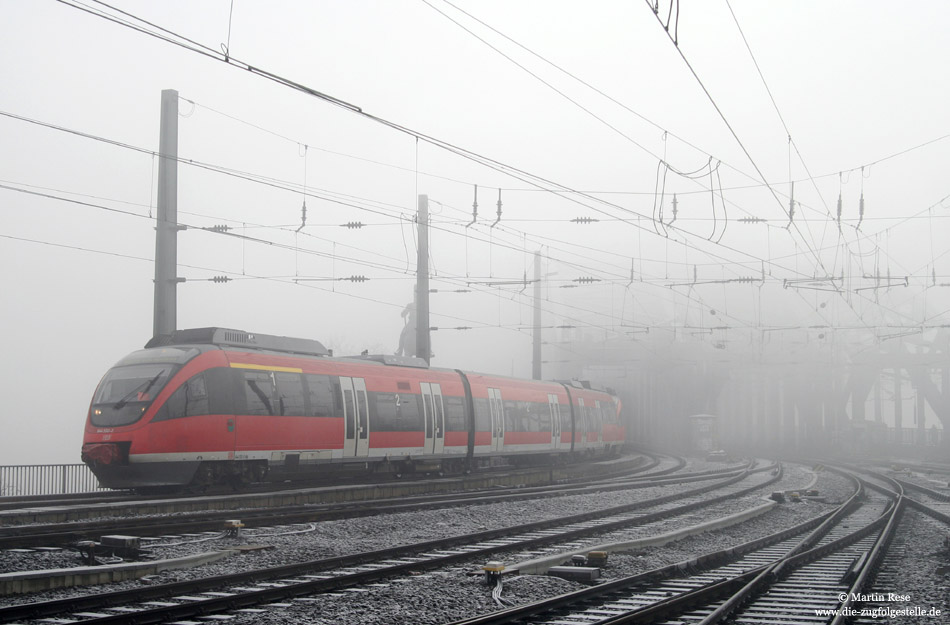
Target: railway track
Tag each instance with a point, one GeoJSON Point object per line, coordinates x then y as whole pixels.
{"type": "Point", "coordinates": [39, 509]}
{"type": "Point", "coordinates": [891, 594]}
{"type": "Point", "coordinates": [54, 534]}
{"type": "Point", "coordinates": [32, 504]}
{"type": "Point", "coordinates": [826, 577]}
{"type": "Point", "coordinates": [20, 502]}
{"type": "Point", "coordinates": [242, 591]}
{"type": "Point", "coordinates": [786, 577]}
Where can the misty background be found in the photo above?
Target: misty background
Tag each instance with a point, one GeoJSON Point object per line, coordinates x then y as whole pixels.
{"type": "Point", "coordinates": [855, 107]}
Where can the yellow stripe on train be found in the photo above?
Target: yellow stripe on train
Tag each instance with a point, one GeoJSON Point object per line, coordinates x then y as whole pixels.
{"type": "Point", "coordinates": [245, 365]}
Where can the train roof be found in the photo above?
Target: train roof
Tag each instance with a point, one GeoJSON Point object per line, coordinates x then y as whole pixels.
{"type": "Point", "coordinates": [226, 337]}
{"type": "Point", "coordinates": [392, 360]}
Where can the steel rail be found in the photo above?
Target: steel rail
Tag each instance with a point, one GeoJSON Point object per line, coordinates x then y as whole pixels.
{"type": "Point", "coordinates": [14, 502]}
{"type": "Point", "coordinates": [657, 610]}
{"type": "Point", "coordinates": [214, 604]}
{"type": "Point", "coordinates": [742, 585]}
{"type": "Point", "coordinates": [63, 533]}
{"type": "Point", "coordinates": [868, 566]}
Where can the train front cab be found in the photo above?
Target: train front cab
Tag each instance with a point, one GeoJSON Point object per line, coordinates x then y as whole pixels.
{"type": "Point", "coordinates": [132, 402]}
{"type": "Point", "coordinates": [597, 423]}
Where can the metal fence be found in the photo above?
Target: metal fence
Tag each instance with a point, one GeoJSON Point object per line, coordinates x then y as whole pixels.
{"type": "Point", "coordinates": [46, 479]}
{"type": "Point", "coordinates": [931, 437]}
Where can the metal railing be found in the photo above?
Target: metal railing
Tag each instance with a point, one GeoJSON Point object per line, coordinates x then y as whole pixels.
{"type": "Point", "coordinates": [918, 436]}
{"type": "Point", "coordinates": [46, 479]}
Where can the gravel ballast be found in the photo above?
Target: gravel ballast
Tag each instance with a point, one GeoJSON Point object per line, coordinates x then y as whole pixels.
{"type": "Point", "coordinates": [450, 594]}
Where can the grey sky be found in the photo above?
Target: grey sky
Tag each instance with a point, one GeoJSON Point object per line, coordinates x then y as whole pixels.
{"type": "Point", "coordinates": [854, 81]}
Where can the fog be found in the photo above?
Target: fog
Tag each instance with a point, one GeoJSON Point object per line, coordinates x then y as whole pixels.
{"type": "Point", "coordinates": [703, 310]}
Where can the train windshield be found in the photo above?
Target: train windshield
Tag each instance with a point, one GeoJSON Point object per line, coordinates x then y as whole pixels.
{"type": "Point", "coordinates": [126, 391]}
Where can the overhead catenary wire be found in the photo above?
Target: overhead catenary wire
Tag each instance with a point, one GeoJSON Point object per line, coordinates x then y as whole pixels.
{"type": "Point", "coordinates": [119, 143]}
{"type": "Point", "coordinates": [268, 181]}
{"type": "Point", "coordinates": [695, 174]}
{"type": "Point", "coordinates": [736, 137]}
{"type": "Point", "coordinates": [215, 168]}
{"type": "Point", "coordinates": [185, 43]}
{"type": "Point", "coordinates": [294, 279]}
{"type": "Point", "coordinates": [660, 228]}
{"type": "Point", "coordinates": [242, 237]}
{"type": "Point", "coordinates": [790, 212]}
{"type": "Point", "coordinates": [792, 144]}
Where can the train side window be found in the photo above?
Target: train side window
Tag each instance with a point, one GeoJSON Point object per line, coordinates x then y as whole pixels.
{"type": "Point", "coordinates": [528, 421]}
{"type": "Point", "coordinates": [593, 417]}
{"type": "Point", "coordinates": [336, 392]}
{"type": "Point", "coordinates": [608, 412]}
{"type": "Point", "coordinates": [511, 418]}
{"type": "Point", "coordinates": [196, 396]}
{"type": "Point", "coordinates": [320, 395]}
{"type": "Point", "coordinates": [384, 418]}
{"type": "Point", "coordinates": [542, 416]}
{"type": "Point", "coordinates": [565, 412]}
{"type": "Point", "coordinates": [394, 412]}
{"type": "Point", "coordinates": [289, 394]}
{"type": "Point", "coordinates": [581, 421]}
{"type": "Point", "coordinates": [454, 414]}
{"type": "Point", "coordinates": [409, 412]}
{"type": "Point", "coordinates": [190, 400]}
{"type": "Point", "coordinates": [482, 414]}
{"type": "Point", "coordinates": [517, 417]}
{"type": "Point", "coordinates": [218, 381]}
{"type": "Point", "coordinates": [259, 392]}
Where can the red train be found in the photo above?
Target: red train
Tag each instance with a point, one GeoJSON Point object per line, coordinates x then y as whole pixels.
{"type": "Point", "coordinates": [211, 405]}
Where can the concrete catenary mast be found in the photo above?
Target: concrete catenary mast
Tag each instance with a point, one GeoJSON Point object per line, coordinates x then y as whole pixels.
{"type": "Point", "coordinates": [165, 318]}
{"type": "Point", "coordinates": [423, 343]}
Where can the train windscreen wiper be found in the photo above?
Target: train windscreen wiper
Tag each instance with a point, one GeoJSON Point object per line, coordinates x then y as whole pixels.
{"type": "Point", "coordinates": [138, 389]}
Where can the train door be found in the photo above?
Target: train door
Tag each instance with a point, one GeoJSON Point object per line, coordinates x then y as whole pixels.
{"type": "Point", "coordinates": [555, 408]}
{"type": "Point", "coordinates": [580, 426]}
{"type": "Point", "coordinates": [434, 412]}
{"type": "Point", "coordinates": [497, 419]}
{"type": "Point", "coordinates": [355, 417]}
{"type": "Point", "coordinates": [598, 419]}
{"type": "Point", "coordinates": [438, 441]}
{"type": "Point", "coordinates": [362, 417]}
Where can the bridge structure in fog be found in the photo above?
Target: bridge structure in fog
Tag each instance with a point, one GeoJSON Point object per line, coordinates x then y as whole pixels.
{"type": "Point", "coordinates": [816, 395]}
